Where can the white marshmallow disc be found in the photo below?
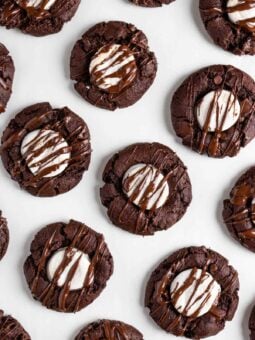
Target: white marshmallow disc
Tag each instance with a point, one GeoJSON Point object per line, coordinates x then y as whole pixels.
{"type": "Point", "coordinates": [80, 273]}
{"type": "Point", "coordinates": [241, 13]}
{"type": "Point", "coordinates": [194, 292]}
{"type": "Point", "coordinates": [113, 65]}
{"type": "Point", "coordinates": [46, 152]}
{"type": "Point", "coordinates": [145, 186]}
{"type": "Point", "coordinates": [221, 108]}
{"type": "Point", "coordinates": [37, 3]}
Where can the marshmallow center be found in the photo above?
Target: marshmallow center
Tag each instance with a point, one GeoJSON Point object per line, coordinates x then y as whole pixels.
{"type": "Point", "coordinates": [194, 292]}
{"type": "Point", "coordinates": [113, 68]}
{"type": "Point", "coordinates": [146, 186]}
{"type": "Point", "coordinates": [79, 262]}
{"type": "Point", "coordinates": [218, 111]}
{"type": "Point", "coordinates": [46, 5]}
{"type": "Point", "coordinates": [241, 12]}
{"type": "Point", "coordinates": [46, 152]}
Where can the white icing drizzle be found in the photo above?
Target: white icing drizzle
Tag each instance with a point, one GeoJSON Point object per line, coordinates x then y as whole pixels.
{"type": "Point", "coordinates": [222, 108]}
{"type": "Point", "coordinates": [46, 152]}
{"type": "Point", "coordinates": [55, 261]}
{"type": "Point", "coordinates": [113, 67]}
{"type": "Point", "coordinates": [243, 12]}
{"type": "Point", "coordinates": [145, 186]}
{"type": "Point", "coordinates": [194, 292]}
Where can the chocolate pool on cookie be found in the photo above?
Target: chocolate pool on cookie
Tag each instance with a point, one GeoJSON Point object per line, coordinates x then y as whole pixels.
{"type": "Point", "coordinates": [239, 210]}
{"type": "Point", "coordinates": [231, 24]}
{"type": "Point", "coordinates": [37, 17]}
{"type": "Point", "coordinates": [112, 65]}
{"type": "Point", "coordinates": [151, 3]}
{"type": "Point", "coordinates": [213, 111]}
{"type": "Point", "coordinates": [6, 77]}
{"type": "Point", "coordinates": [193, 293]}
{"type": "Point", "coordinates": [109, 330]}
{"type": "Point", "coordinates": [4, 236]}
{"type": "Point", "coordinates": [69, 266]}
{"type": "Point", "coordinates": [11, 329]}
{"type": "Point", "coordinates": [147, 188]}
{"type": "Point", "coordinates": [46, 150]}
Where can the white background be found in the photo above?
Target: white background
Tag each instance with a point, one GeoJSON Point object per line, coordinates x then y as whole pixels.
{"type": "Point", "coordinates": [177, 36]}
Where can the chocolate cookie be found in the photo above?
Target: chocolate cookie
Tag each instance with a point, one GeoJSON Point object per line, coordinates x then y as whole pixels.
{"type": "Point", "coordinates": [147, 188]}
{"type": "Point", "coordinates": [193, 293]}
{"type": "Point", "coordinates": [6, 77]}
{"type": "Point", "coordinates": [252, 324]}
{"type": "Point", "coordinates": [11, 329]}
{"type": "Point", "coordinates": [239, 210]}
{"type": "Point", "coordinates": [213, 111]}
{"type": "Point", "coordinates": [68, 267]}
{"type": "Point", "coordinates": [151, 3]}
{"type": "Point", "coordinates": [109, 330]}
{"type": "Point", "coordinates": [230, 23]}
{"type": "Point", "coordinates": [112, 66]}
{"type": "Point", "coordinates": [46, 150]}
{"type": "Point", "coordinates": [37, 17]}
{"type": "Point", "coordinates": [4, 236]}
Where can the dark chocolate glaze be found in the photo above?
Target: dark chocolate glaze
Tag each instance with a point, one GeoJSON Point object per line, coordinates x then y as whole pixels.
{"type": "Point", "coordinates": [6, 77]}
{"type": "Point", "coordinates": [71, 127]}
{"type": "Point", "coordinates": [239, 210]}
{"type": "Point", "coordinates": [123, 212]}
{"type": "Point", "coordinates": [237, 38]}
{"type": "Point", "coordinates": [11, 329]}
{"type": "Point", "coordinates": [4, 235]}
{"type": "Point", "coordinates": [103, 34]}
{"type": "Point", "coordinates": [109, 330]}
{"type": "Point", "coordinates": [158, 298]}
{"type": "Point", "coordinates": [184, 104]}
{"type": "Point", "coordinates": [37, 20]}
{"type": "Point", "coordinates": [69, 236]}
{"type": "Point", "coordinates": [126, 73]}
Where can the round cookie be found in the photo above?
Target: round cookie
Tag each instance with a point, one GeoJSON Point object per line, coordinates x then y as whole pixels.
{"type": "Point", "coordinates": [147, 188]}
{"type": "Point", "coordinates": [6, 77]}
{"type": "Point", "coordinates": [108, 330]}
{"type": "Point", "coordinates": [239, 210]}
{"type": "Point", "coordinates": [37, 17]}
{"type": "Point", "coordinates": [231, 24]}
{"type": "Point", "coordinates": [4, 236]}
{"type": "Point", "coordinates": [213, 111]}
{"type": "Point", "coordinates": [252, 324]}
{"type": "Point", "coordinates": [46, 150]}
{"type": "Point", "coordinates": [151, 3]}
{"type": "Point", "coordinates": [11, 329]}
{"type": "Point", "coordinates": [193, 293]}
{"type": "Point", "coordinates": [112, 65]}
{"type": "Point", "coordinates": [69, 266]}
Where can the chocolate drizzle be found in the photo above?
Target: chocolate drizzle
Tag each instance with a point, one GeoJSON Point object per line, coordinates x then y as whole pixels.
{"type": "Point", "coordinates": [113, 68]}
{"type": "Point", "coordinates": [80, 236]}
{"type": "Point", "coordinates": [161, 300]}
{"type": "Point", "coordinates": [64, 123]}
{"type": "Point", "coordinates": [37, 10]}
{"type": "Point", "coordinates": [44, 165]}
{"type": "Point", "coordinates": [214, 144]}
{"type": "Point", "coordinates": [244, 5]}
{"type": "Point", "coordinates": [116, 330]}
{"type": "Point", "coordinates": [196, 278]}
{"type": "Point", "coordinates": [10, 328]}
{"type": "Point", "coordinates": [145, 185]}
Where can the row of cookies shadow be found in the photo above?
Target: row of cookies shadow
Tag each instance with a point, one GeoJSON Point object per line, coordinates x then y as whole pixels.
{"type": "Point", "coordinates": [192, 293]}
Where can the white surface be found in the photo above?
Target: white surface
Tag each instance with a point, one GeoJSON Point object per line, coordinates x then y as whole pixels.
{"type": "Point", "coordinates": [77, 281]}
{"type": "Point", "coordinates": [177, 36]}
